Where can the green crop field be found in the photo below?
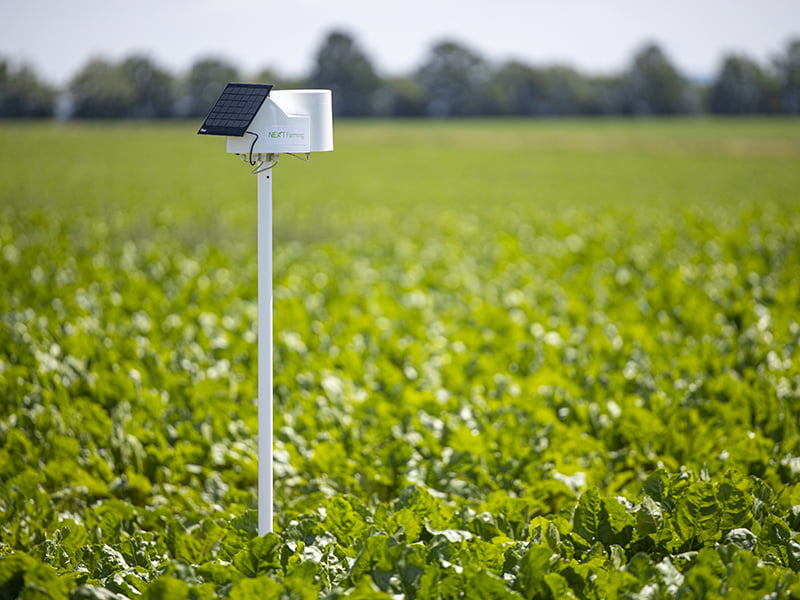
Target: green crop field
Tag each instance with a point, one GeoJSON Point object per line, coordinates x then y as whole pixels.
{"type": "Point", "coordinates": [513, 359]}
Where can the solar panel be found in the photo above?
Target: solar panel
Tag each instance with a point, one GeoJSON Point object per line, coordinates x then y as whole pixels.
{"type": "Point", "coordinates": [235, 109]}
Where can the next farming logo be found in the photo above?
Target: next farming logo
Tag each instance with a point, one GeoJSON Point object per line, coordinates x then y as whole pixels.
{"type": "Point", "coordinates": [286, 134]}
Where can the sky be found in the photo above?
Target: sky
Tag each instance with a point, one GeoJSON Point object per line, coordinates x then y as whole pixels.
{"type": "Point", "coordinates": [58, 37]}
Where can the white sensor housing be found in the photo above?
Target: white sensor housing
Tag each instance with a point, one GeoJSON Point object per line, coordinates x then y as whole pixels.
{"type": "Point", "coordinates": [289, 121]}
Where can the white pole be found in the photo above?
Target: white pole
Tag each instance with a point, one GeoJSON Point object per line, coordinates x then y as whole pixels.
{"type": "Point", "coordinates": [265, 352]}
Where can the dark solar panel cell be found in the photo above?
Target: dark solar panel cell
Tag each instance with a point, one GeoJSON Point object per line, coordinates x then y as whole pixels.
{"type": "Point", "coordinates": [235, 109]}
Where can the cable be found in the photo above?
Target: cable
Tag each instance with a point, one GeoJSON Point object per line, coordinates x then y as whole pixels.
{"type": "Point", "coordinates": [261, 168]}
{"type": "Point", "coordinates": [253, 145]}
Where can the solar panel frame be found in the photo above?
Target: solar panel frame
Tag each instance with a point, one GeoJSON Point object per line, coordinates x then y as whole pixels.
{"type": "Point", "coordinates": [235, 109]}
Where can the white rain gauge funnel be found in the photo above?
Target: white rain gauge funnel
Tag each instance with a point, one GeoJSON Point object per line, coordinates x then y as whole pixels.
{"type": "Point", "coordinates": [261, 124]}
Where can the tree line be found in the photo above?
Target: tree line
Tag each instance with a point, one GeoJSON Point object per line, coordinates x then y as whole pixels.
{"type": "Point", "coordinates": [453, 80]}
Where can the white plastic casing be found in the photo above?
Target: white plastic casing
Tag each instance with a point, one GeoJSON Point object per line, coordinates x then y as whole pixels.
{"type": "Point", "coordinates": [289, 121]}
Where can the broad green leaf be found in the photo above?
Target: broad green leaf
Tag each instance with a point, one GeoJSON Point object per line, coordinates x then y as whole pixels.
{"type": "Point", "coordinates": [218, 573]}
{"type": "Point", "coordinates": [603, 520]}
{"type": "Point", "coordinates": [257, 588]}
{"type": "Point", "coordinates": [706, 576]}
{"type": "Point", "coordinates": [773, 540]}
{"type": "Point", "coordinates": [92, 592]}
{"type": "Point", "coordinates": [261, 556]}
{"type": "Point", "coordinates": [558, 586]}
{"type": "Point", "coordinates": [537, 562]}
{"type": "Point", "coordinates": [736, 504]}
{"type": "Point", "coordinates": [484, 585]}
{"type": "Point", "coordinates": [300, 582]}
{"type": "Point", "coordinates": [167, 588]}
{"type": "Point", "coordinates": [484, 555]}
{"type": "Point", "coordinates": [408, 520]}
{"type": "Point", "coordinates": [698, 514]}
{"type": "Point", "coordinates": [742, 538]}
{"type": "Point", "coordinates": [649, 517]}
{"type": "Point", "coordinates": [183, 545]}
{"type": "Point", "coordinates": [365, 590]}
{"type": "Point", "coordinates": [587, 518]}
{"type": "Point", "coordinates": [343, 520]}
{"type": "Point", "coordinates": [22, 576]}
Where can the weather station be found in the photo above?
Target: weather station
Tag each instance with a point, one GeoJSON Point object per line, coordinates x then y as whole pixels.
{"type": "Point", "coordinates": [261, 124]}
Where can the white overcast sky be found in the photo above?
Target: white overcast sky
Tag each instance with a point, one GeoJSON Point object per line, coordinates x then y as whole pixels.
{"type": "Point", "coordinates": [57, 37]}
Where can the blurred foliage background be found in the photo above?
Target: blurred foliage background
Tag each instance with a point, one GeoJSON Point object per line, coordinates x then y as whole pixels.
{"type": "Point", "coordinates": [452, 80]}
